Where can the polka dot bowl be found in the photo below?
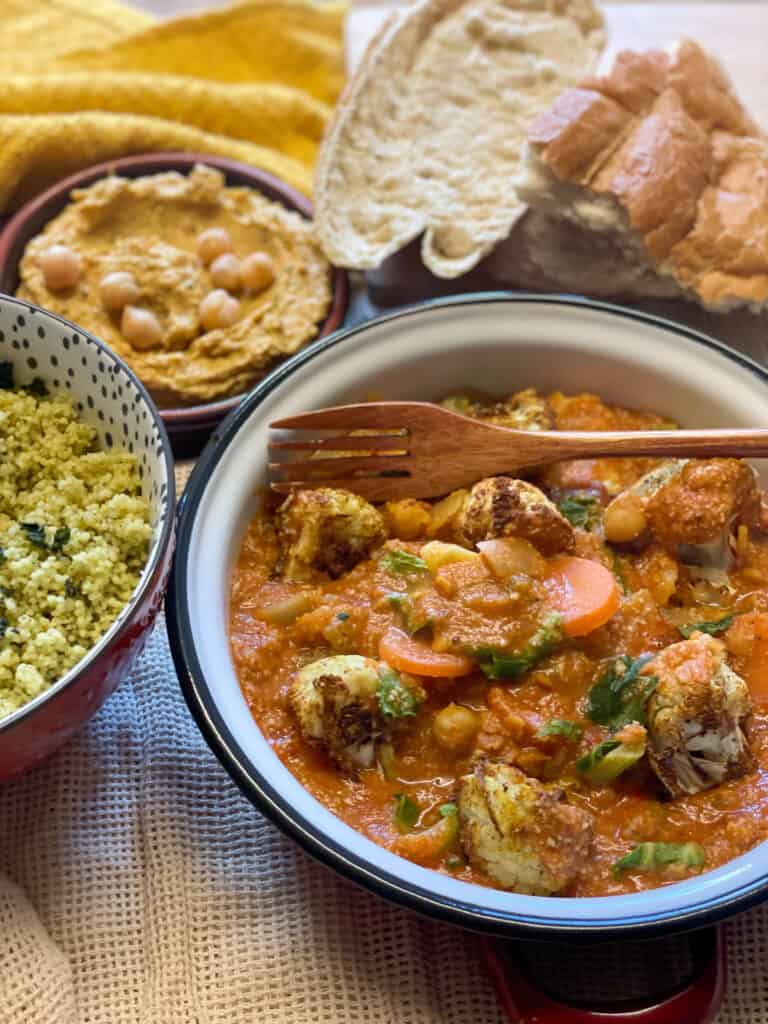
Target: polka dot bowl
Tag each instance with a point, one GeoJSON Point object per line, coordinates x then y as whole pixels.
{"type": "Point", "coordinates": [190, 426]}
{"type": "Point", "coordinates": [110, 398]}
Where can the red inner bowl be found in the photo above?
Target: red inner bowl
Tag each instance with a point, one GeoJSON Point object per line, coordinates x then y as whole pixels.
{"type": "Point", "coordinates": [192, 421]}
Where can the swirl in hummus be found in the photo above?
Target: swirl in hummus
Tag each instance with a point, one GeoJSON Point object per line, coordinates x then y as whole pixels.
{"type": "Point", "coordinates": [148, 229]}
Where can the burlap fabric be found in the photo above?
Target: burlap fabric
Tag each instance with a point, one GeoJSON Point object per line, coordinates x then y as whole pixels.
{"type": "Point", "coordinates": [137, 886]}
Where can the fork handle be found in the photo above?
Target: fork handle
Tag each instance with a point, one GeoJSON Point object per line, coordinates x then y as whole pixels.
{"type": "Point", "coordinates": [569, 444]}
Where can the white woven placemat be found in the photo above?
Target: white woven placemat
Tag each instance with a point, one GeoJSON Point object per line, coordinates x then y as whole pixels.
{"type": "Point", "coordinates": [137, 886]}
{"type": "Point", "coordinates": [149, 891]}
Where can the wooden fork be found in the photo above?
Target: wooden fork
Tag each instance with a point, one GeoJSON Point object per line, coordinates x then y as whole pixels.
{"type": "Point", "coordinates": [419, 450]}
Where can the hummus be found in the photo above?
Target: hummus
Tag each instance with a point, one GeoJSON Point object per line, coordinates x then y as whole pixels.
{"type": "Point", "coordinates": [149, 227]}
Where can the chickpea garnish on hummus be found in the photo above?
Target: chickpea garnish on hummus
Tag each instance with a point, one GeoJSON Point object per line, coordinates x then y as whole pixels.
{"type": "Point", "coordinates": [200, 287]}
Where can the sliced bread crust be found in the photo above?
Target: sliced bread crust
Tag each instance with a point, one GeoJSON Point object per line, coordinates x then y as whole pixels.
{"type": "Point", "coordinates": [661, 156]}
{"type": "Point", "coordinates": [429, 131]}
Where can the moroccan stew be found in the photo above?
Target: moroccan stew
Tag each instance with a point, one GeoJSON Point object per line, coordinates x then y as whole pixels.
{"type": "Point", "coordinates": [553, 686]}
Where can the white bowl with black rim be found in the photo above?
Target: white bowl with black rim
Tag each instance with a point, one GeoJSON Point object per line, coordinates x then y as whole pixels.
{"type": "Point", "coordinates": [498, 343]}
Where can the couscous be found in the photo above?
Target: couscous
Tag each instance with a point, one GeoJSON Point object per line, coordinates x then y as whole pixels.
{"type": "Point", "coordinates": [74, 538]}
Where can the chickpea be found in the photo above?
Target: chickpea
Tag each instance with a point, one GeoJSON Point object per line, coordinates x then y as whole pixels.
{"type": "Point", "coordinates": [257, 271]}
{"type": "Point", "coordinates": [455, 727]}
{"type": "Point", "coordinates": [225, 272]}
{"type": "Point", "coordinates": [140, 328]}
{"type": "Point", "coordinates": [624, 519]}
{"type": "Point", "coordinates": [62, 267]}
{"type": "Point", "coordinates": [213, 242]}
{"type": "Point", "coordinates": [118, 290]}
{"type": "Point", "coordinates": [219, 309]}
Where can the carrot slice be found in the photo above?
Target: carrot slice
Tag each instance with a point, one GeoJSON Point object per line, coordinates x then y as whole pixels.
{"type": "Point", "coordinates": [408, 655]}
{"type": "Point", "coordinates": [584, 592]}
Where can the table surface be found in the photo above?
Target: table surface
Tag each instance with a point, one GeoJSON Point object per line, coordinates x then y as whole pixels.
{"type": "Point", "coordinates": [734, 30]}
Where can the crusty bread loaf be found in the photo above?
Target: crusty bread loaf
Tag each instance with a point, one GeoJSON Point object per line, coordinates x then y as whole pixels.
{"type": "Point", "coordinates": [428, 134]}
{"type": "Point", "coordinates": [659, 161]}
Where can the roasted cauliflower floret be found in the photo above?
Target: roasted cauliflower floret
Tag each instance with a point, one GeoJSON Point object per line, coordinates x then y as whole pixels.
{"type": "Point", "coordinates": [685, 501]}
{"type": "Point", "coordinates": [325, 531]}
{"type": "Point", "coordinates": [501, 506]}
{"type": "Point", "coordinates": [525, 410]}
{"type": "Point", "coordinates": [521, 833]}
{"type": "Point", "coordinates": [347, 704]}
{"type": "Point", "coordinates": [695, 717]}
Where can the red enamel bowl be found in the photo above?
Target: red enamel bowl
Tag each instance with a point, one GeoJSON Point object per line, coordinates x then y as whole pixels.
{"type": "Point", "coordinates": [188, 426]}
{"type": "Point", "coordinates": [110, 398]}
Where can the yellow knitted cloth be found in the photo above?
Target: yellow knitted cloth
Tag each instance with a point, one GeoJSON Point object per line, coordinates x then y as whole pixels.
{"type": "Point", "coordinates": [88, 80]}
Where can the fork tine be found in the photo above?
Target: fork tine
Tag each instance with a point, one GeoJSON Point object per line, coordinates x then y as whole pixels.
{"type": "Point", "coordinates": [364, 415]}
{"type": "Point", "coordinates": [369, 442]}
{"type": "Point", "coordinates": [314, 469]}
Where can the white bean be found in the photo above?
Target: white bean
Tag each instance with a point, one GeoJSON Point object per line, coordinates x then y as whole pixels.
{"type": "Point", "coordinates": [141, 328]}
{"type": "Point", "coordinates": [212, 243]}
{"type": "Point", "coordinates": [62, 267]}
{"type": "Point", "coordinates": [225, 272]}
{"type": "Point", "coordinates": [117, 290]}
{"type": "Point", "coordinates": [219, 309]}
{"type": "Point", "coordinates": [257, 271]}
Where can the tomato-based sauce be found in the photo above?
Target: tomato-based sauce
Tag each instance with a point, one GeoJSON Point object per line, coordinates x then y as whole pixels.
{"type": "Point", "coordinates": [526, 698]}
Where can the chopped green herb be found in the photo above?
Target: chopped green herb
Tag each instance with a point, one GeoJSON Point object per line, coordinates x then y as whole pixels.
{"type": "Point", "coordinates": [401, 603]}
{"type": "Point", "coordinates": [620, 694]}
{"type": "Point", "coordinates": [446, 810]}
{"type": "Point", "coordinates": [2, 556]}
{"type": "Point", "coordinates": [510, 665]}
{"type": "Point", "coordinates": [560, 727]}
{"type": "Point", "coordinates": [713, 628]}
{"type": "Point", "coordinates": [6, 592]}
{"type": "Point", "coordinates": [581, 509]}
{"type": "Point", "coordinates": [402, 563]}
{"type": "Point", "coordinates": [455, 861]}
{"type": "Point", "coordinates": [597, 754]}
{"type": "Point", "coordinates": [3, 626]}
{"type": "Point", "coordinates": [653, 856]}
{"type": "Point", "coordinates": [6, 376]}
{"type": "Point", "coordinates": [36, 387]}
{"type": "Point", "coordinates": [606, 761]}
{"type": "Point", "coordinates": [396, 700]}
{"type": "Point", "coordinates": [406, 812]}
{"type": "Point", "coordinates": [342, 616]}
{"type": "Point", "coordinates": [71, 589]}
{"type": "Point", "coordinates": [60, 538]}
{"type": "Point", "coordinates": [412, 620]}
{"type": "Point", "coordinates": [35, 534]}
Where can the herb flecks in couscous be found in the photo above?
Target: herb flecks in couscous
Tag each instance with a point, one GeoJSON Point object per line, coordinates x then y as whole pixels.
{"type": "Point", "coordinates": [74, 537]}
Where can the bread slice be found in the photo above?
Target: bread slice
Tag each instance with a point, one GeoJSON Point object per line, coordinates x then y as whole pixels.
{"type": "Point", "coordinates": [659, 162]}
{"type": "Point", "coordinates": [429, 131]}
